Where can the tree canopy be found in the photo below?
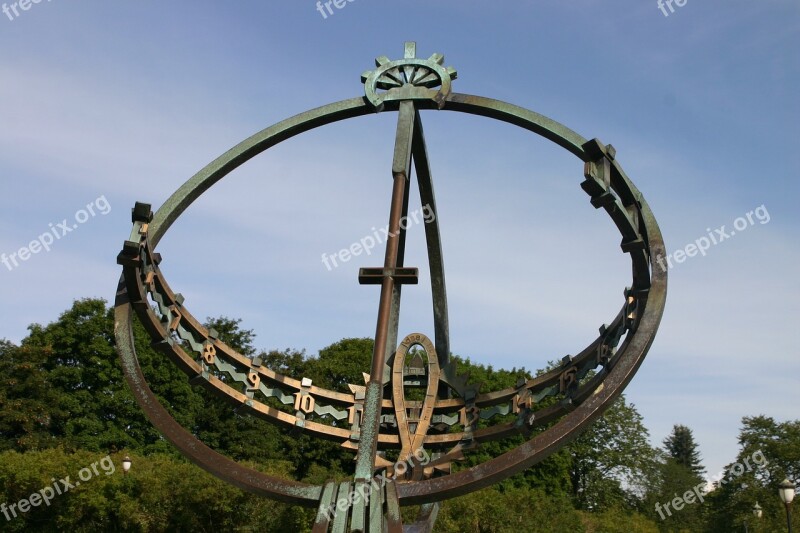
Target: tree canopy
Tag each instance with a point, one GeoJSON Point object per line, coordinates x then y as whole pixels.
{"type": "Point", "coordinates": [64, 405]}
{"type": "Point", "coordinates": [682, 448]}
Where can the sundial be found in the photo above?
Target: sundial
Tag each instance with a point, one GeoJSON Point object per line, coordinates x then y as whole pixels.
{"type": "Point", "coordinates": [415, 418]}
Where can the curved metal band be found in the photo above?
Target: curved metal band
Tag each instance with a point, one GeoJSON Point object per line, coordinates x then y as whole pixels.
{"type": "Point", "coordinates": [633, 350]}
{"type": "Point", "coordinates": [144, 282]}
{"type": "Point", "coordinates": [562, 433]}
{"type": "Point", "coordinates": [181, 199]}
{"type": "Point", "coordinates": [210, 460]}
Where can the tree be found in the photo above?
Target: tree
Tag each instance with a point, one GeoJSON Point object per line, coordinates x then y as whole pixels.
{"type": "Point", "coordinates": [29, 406]}
{"type": "Point", "coordinates": [618, 520]}
{"type": "Point", "coordinates": [91, 406]}
{"type": "Point", "coordinates": [161, 493]}
{"type": "Point", "coordinates": [769, 452]}
{"type": "Point", "coordinates": [674, 482]}
{"type": "Point", "coordinates": [230, 331]}
{"type": "Point", "coordinates": [343, 362]}
{"type": "Point", "coordinates": [779, 442]}
{"type": "Point", "coordinates": [612, 461]}
{"type": "Point", "coordinates": [64, 403]}
{"type": "Point", "coordinates": [218, 425]}
{"type": "Point", "coordinates": [681, 446]}
{"type": "Point", "coordinates": [510, 511]}
{"type": "Point", "coordinates": [676, 493]}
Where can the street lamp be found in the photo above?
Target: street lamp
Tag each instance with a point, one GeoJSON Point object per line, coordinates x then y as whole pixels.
{"type": "Point", "coordinates": [757, 512]}
{"type": "Point", "coordinates": [786, 492]}
{"type": "Point", "coordinates": [126, 464]}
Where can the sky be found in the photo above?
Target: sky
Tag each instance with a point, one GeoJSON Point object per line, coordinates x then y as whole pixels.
{"type": "Point", "coordinates": [103, 104]}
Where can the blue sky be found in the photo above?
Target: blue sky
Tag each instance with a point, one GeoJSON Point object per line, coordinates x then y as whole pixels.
{"type": "Point", "coordinates": [125, 101]}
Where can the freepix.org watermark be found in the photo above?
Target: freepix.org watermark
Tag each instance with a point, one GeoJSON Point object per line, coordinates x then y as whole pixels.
{"type": "Point", "coordinates": [56, 232]}
{"type": "Point", "coordinates": [719, 235]}
{"type": "Point", "coordinates": [696, 493]}
{"type": "Point", "coordinates": [366, 244]}
{"type": "Point", "coordinates": [58, 487]}
{"type": "Point", "coordinates": [664, 4]}
{"type": "Point", "coordinates": [13, 11]}
{"type": "Point", "coordinates": [362, 492]}
{"type": "Point", "coordinates": [325, 8]}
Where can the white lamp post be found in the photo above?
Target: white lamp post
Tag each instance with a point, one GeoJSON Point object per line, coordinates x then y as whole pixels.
{"type": "Point", "coordinates": [786, 492]}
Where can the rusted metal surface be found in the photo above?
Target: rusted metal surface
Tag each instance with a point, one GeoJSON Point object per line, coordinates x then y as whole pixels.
{"type": "Point", "coordinates": [394, 522]}
{"type": "Point", "coordinates": [425, 519]}
{"type": "Point", "coordinates": [326, 509]}
{"type": "Point", "coordinates": [380, 414]}
{"type": "Point", "coordinates": [389, 306]}
{"type": "Point", "coordinates": [441, 321]}
{"type": "Point", "coordinates": [413, 419]}
{"type": "Point", "coordinates": [212, 461]}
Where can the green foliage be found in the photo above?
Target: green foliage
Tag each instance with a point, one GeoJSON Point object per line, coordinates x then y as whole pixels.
{"type": "Point", "coordinates": [678, 478]}
{"type": "Point", "coordinates": [216, 423]}
{"type": "Point", "coordinates": [682, 448]}
{"type": "Point", "coordinates": [230, 332]}
{"type": "Point", "coordinates": [64, 404]}
{"type": "Point", "coordinates": [779, 442]}
{"type": "Point", "coordinates": [617, 520]}
{"type": "Point", "coordinates": [769, 452]}
{"type": "Point", "coordinates": [511, 511]}
{"type": "Point", "coordinates": [489, 378]}
{"type": "Point", "coordinates": [551, 475]}
{"type": "Point", "coordinates": [29, 413]}
{"type": "Point", "coordinates": [612, 459]}
{"type": "Point", "coordinates": [674, 480]}
{"type": "Point", "coordinates": [66, 380]}
{"type": "Point", "coordinates": [342, 363]}
{"type": "Point", "coordinates": [337, 365]}
{"type": "Point", "coordinates": [160, 493]}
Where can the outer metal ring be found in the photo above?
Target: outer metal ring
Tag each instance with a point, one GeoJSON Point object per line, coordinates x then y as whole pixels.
{"type": "Point", "coordinates": [634, 347]}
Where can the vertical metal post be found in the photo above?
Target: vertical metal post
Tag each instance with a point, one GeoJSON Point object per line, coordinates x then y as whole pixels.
{"type": "Point", "coordinates": [386, 328]}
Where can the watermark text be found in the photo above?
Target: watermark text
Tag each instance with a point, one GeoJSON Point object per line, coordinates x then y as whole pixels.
{"type": "Point", "coordinates": [366, 244]}
{"type": "Point", "coordinates": [57, 488]}
{"type": "Point", "coordinates": [13, 11]}
{"type": "Point", "coordinates": [325, 8]}
{"type": "Point", "coordinates": [697, 493]}
{"type": "Point", "coordinates": [712, 238]}
{"type": "Point", "coordinates": [663, 5]}
{"type": "Point", "coordinates": [55, 232]}
{"type": "Point", "coordinates": [361, 491]}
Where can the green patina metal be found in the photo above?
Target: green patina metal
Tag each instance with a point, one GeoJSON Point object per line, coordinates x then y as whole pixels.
{"type": "Point", "coordinates": [380, 415]}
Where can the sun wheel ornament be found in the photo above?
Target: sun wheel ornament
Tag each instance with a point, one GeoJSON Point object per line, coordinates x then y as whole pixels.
{"type": "Point", "coordinates": [415, 417]}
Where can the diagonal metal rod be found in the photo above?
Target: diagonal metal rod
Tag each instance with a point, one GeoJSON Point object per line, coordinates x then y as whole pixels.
{"type": "Point", "coordinates": [401, 168]}
{"type": "Point", "coordinates": [434, 242]}
{"type": "Point", "coordinates": [394, 310]}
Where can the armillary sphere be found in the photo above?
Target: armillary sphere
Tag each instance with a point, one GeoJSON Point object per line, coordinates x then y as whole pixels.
{"type": "Point", "coordinates": [415, 417]}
